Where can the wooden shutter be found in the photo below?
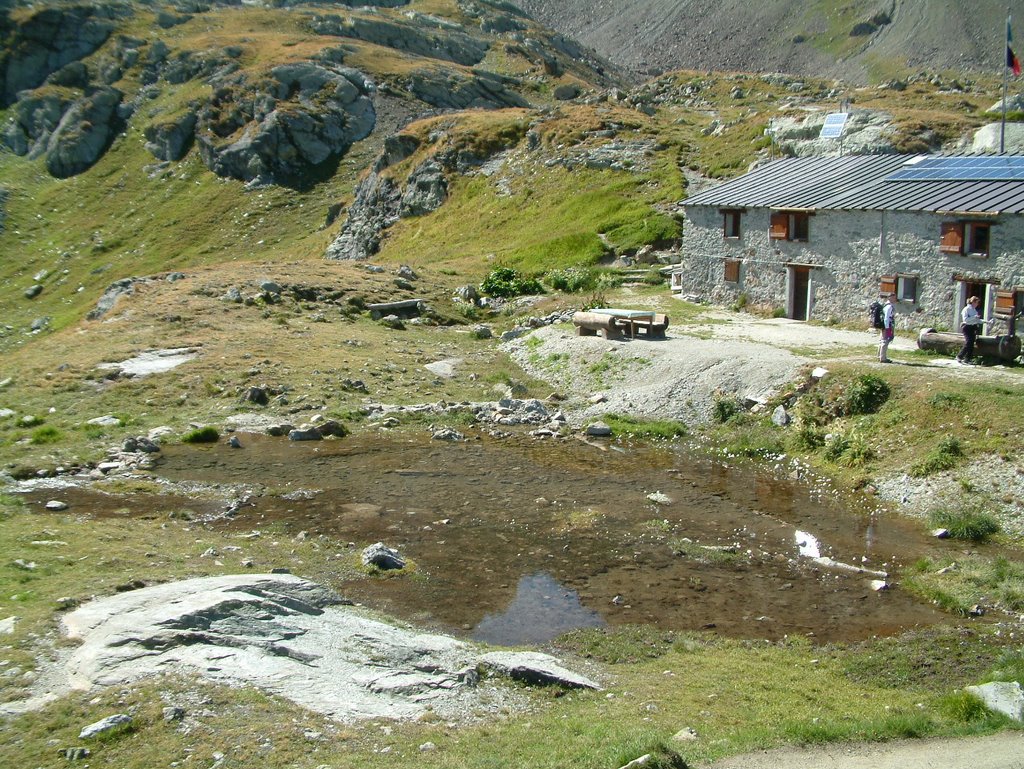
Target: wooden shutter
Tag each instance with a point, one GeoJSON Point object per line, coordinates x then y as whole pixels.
{"type": "Point", "coordinates": [888, 285]}
{"type": "Point", "coordinates": [1005, 302]}
{"type": "Point", "coordinates": [732, 270]}
{"type": "Point", "coordinates": [779, 228]}
{"type": "Point", "coordinates": [952, 239]}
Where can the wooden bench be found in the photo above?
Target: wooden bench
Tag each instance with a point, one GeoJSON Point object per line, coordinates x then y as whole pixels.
{"type": "Point", "coordinates": [594, 323]}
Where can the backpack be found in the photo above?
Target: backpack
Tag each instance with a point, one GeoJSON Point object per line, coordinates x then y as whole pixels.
{"type": "Point", "coordinates": [876, 315]}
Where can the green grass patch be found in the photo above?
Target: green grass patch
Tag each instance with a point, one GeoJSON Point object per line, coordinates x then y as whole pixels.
{"type": "Point", "coordinates": [970, 525]}
{"type": "Point", "coordinates": [973, 581]}
{"type": "Point", "coordinates": [946, 455]}
{"type": "Point", "coordinates": [646, 429]}
{"type": "Point", "coordinates": [206, 434]}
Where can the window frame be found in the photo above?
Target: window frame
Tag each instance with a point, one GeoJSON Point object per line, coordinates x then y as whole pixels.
{"type": "Point", "coordinates": [903, 283]}
{"type": "Point", "coordinates": [898, 283]}
{"type": "Point", "coordinates": [732, 227]}
{"type": "Point", "coordinates": [961, 237]}
{"type": "Point", "coordinates": [790, 225]}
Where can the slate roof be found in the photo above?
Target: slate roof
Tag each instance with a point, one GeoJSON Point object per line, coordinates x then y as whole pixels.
{"type": "Point", "coordinates": [858, 183]}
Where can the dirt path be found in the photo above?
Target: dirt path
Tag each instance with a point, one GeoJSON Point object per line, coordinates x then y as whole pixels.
{"type": "Point", "coordinates": [997, 751]}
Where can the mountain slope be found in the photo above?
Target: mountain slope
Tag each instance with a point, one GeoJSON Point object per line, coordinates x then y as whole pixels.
{"type": "Point", "coordinates": [855, 41]}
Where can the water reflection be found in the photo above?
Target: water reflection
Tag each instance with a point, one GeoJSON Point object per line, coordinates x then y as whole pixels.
{"type": "Point", "coordinates": [543, 608]}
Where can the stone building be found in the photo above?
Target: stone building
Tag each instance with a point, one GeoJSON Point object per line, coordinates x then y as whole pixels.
{"type": "Point", "coordinates": [823, 237]}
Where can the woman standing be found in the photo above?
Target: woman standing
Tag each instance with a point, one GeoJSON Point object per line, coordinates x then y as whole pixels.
{"type": "Point", "coordinates": [970, 324]}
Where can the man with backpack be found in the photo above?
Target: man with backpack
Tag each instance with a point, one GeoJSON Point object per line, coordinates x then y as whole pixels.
{"type": "Point", "coordinates": [888, 328]}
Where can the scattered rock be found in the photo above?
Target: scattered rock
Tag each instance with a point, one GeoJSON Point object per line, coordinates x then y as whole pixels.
{"type": "Point", "coordinates": [535, 668]}
{"type": "Point", "coordinates": [7, 625]}
{"type": "Point", "coordinates": [234, 442]}
{"type": "Point", "coordinates": [1006, 697]}
{"type": "Point", "coordinates": [599, 430]}
{"type": "Point", "coordinates": [74, 754]}
{"type": "Point", "coordinates": [105, 725]}
{"type": "Point", "coordinates": [940, 533]}
{"type": "Point", "coordinates": [448, 434]}
{"type": "Point", "coordinates": [56, 505]}
{"type": "Point", "coordinates": [383, 557]}
{"type": "Point", "coordinates": [305, 433]}
{"type": "Point", "coordinates": [173, 713]}
{"type": "Point", "coordinates": [780, 417]}
{"type": "Point", "coordinates": [686, 734]}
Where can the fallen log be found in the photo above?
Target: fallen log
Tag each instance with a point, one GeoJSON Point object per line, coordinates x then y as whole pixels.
{"type": "Point", "coordinates": [1003, 347]}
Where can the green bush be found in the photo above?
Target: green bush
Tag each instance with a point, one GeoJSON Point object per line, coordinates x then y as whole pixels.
{"type": "Point", "coordinates": [507, 282]}
{"type": "Point", "coordinates": [202, 435]}
{"type": "Point", "coordinates": [866, 395]}
{"type": "Point", "coordinates": [807, 437]}
{"type": "Point", "coordinates": [965, 524]}
{"type": "Point", "coordinates": [572, 280]}
{"type": "Point", "coordinates": [725, 409]}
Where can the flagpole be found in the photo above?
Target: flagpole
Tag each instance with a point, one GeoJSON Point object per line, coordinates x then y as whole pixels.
{"type": "Point", "coordinates": [1006, 48]}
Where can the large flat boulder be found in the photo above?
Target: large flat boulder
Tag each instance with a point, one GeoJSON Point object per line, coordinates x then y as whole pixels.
{"type": "Point", "coordinates": [290, 637]}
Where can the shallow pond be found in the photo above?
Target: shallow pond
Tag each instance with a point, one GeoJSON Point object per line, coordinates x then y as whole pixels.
{"type": "Point", "coordinates": [518, 540]}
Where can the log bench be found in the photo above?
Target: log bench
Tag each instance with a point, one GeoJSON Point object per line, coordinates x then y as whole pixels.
{"type": "Point", "coordinates": [1004, 347]}
{"type": "Point", "coordinates": [594, 323]}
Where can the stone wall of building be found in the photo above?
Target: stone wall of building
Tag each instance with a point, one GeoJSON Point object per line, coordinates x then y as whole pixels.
{"type": "Point", "coordinates": [851, 251]}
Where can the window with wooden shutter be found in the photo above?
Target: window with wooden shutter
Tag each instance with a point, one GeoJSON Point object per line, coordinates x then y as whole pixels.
{"type": "Point", "coordinates": [906, 288]}
{"type": "Point", "coordinates": [732, 270]}
{"type": "Point", "coordinates": [952, 238]}
{"type": "Point", "coordinates": [888, 285]}
{"type": "Point", "coordinates": [779, 229]}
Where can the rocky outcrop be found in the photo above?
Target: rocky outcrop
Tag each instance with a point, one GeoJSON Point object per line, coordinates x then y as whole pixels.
{"type": "Point", "coordinates": [277, 129]}
{"type": "Point", "coordinates": [71, 132]}
{"type": "Point", "coordinates": [84, 133]}
{"type": "Point", "coordinates": [450, 90]}
{"type": "Point", "coordinates": [171, 138]}
{"type": "Point", "coordinates": [47, 40]}
{"type": "Point", "coordinates": [290, 637]}
{"type": "Point", "coordinates": [445, 41]}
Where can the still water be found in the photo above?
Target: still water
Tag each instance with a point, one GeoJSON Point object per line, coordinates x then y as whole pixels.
{"type": "Point", "coordinates": [518, 540]}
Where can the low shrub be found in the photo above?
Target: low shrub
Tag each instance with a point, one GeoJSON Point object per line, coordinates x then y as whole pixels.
{"type": "Point", "coordinates": [46, 434]}
{"type": "Point", "coordinates": [944, 456]}
{"type": "Point", "coordinates": [508, 282]}
{"type": "Point", "coordinates": [647, 429]}
{"type": "Point", "coordinates": [572, 280]}
{"type": "Point", "coordinates": [725, 409]}
{"type": "Point", "coordinates": [866, 395]}
{"type": "Point", "coordinates": [206, 434]}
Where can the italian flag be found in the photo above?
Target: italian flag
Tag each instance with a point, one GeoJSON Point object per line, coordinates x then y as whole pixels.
{"type": "Point", "coordinates": [1011, 58]}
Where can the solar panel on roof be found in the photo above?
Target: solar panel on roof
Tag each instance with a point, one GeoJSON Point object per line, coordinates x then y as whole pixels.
{"type": "Point", "coordinates": [833, 126]}
{"type": "Point", "coordinates": [962, 169]}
